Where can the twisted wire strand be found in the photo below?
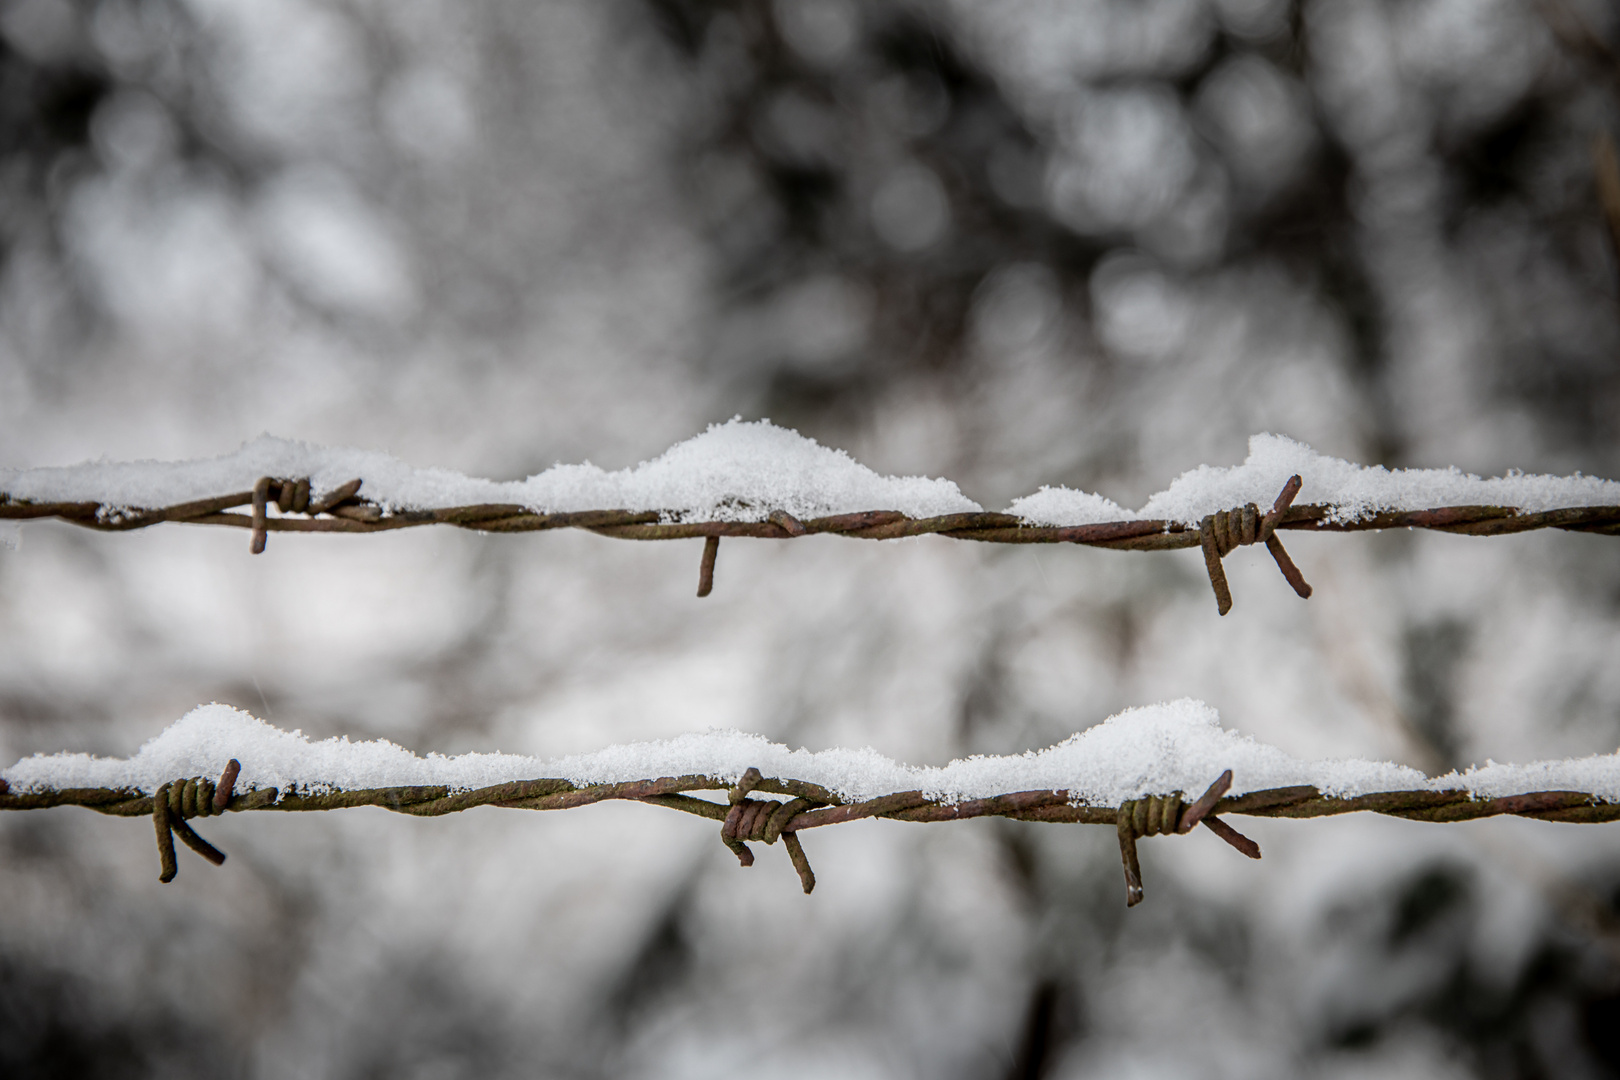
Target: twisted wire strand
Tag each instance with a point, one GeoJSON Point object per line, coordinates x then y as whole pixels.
{"type": "Point", "coordinates": [345, 510]}
{"type": "Point", "coordinates": [809, 806]}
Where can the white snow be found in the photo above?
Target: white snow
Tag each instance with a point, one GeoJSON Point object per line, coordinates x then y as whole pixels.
{"type": "Point", "coordinates": [1157, 749]}
{"type": "Point", "coordinates": [1066, 506]}
{"type": "Point", "coordinates": [736, 471]}
{"type": "Point", "coordinates": [1353, 491]}
{"type": "Point", "coordinates": [741, 471]}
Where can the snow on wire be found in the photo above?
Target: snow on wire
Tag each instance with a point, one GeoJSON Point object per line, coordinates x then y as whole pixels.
{"type": "Point", "coordinates": [753, 479]}
{"type": "Point", "coordinates": [1134, 771]}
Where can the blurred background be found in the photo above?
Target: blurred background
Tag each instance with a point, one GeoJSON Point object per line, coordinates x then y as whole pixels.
{"type": "Point", "coordinates": [1088, 242]}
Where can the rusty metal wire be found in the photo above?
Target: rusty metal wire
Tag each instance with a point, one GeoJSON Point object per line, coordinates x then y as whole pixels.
{"type": "Point", "coordinates": [745, 819]}
{"type": "Point", "coordinates": [346, 510]}
{"type": "Point", "coordinates": [808, 806]}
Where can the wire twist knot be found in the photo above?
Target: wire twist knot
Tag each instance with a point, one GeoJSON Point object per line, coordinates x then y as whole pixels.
{"type": "Point", "coordinates": [1156, 815]}
{"type": "Point", "coordinates": [1225, 531]}
{"type": "Point", "coordinates": [765, 820]}
{"type": "Point", "coordinates": [294, 497]}
{"type": "Point", "coordinates": [176, 802]}
{"type": "Point", "coordinates": [1166, 815]}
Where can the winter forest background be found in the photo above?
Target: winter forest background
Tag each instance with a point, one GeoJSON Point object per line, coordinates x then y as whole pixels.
{"type": "Point", "coordinates": [1090, 242]}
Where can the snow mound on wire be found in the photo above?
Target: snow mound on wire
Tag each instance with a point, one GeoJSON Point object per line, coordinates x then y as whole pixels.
{"type": "Point", "coordinates": [736, 471]}
{"type": "Point", "coordinates": [1353, 491]}
{"type": "Point", "coordinates": [1156, 749]}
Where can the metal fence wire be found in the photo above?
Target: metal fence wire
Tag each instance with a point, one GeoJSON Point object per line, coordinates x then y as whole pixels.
{"type": "Point", "coordinates": [805, 805]}
{"type": "Point", "coordinates": [346, 510]}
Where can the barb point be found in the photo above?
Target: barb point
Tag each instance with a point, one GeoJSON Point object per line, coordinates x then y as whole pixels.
{"type": "Point", "coordinates": [711, 548]}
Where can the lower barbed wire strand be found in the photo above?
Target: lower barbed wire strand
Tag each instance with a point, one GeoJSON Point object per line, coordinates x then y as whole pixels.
{"type": "Point", "coordinates": [556, 794]}
{"type": "Point", "coordinates": [809, 806]}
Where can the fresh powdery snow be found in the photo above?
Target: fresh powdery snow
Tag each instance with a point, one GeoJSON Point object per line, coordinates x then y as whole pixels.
{"type": "Point", "coordinates": [736, 471]}
{"type": "Point", "coordinates": [741, 471]}
{"type": "Point", "coordinates": [1177, 746]}
{"type": "Point", "coordinates": [1353, 491]}
{"type": "Point", "coordinates": [1066, 506]}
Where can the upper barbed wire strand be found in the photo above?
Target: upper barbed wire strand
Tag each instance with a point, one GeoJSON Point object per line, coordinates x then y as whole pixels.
{"type": "Point", "coordinates": [345, 510]}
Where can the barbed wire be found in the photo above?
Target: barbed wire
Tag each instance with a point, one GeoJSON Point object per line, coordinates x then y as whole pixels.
{"type": "Point", "coordinates": [806, 805]}
{"type": "Point", "coordinates": [346, 510]}
{"type": "Point", "coordinates": [745, 819]}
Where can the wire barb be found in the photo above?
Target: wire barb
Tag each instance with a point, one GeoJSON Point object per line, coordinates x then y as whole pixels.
{"type": "Point", "coordinates": [165, 836]}
{"type": "Point", "coordinates": [1200, 813]}
{"type": "Point", "coordinates": [1151, 816]}
{"type": "Point", "coordinates": [226, 786]}
{"type": "Point", "coordinates": [1206, 802]}
{"type": "Point", "coordinates": [711, 549]}
{"type": "Point", "coordinates": [765, 820]}
{"type": "Point", "coordinates": [1232, 836]}
{"type": "Point", "coordinates": [291, 497]}
{"type": "Point", "coordinates": [335, 498]}
{"type": "Point", "coordinates": [1221, 533]}
{"type": "Point", "coordinates": [178, 800]}
{"type": "Point", "coordinates": [795, 850]}
{"type": "Point", "coordinates": [739, 797]}
{"type": "Point", "coordinates": [261, 496]}
{"type": "Point", "coordinates": [1169, 815]}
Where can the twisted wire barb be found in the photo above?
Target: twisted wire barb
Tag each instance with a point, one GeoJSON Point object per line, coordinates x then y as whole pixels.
{"type": "Point", "coordinates": [809, 806]}
{"type": "Point", "coordinates": [345, 510]}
